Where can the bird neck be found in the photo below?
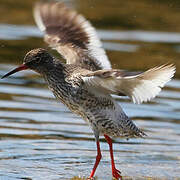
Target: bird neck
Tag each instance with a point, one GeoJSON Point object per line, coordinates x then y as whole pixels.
{"type": "Point", "coordinates": [55, 72]}
{"type": "Point", "coordinates": [56, 80]}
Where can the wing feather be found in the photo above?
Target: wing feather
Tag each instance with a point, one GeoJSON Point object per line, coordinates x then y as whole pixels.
{"type": "Point", "coordinates": [139, 87]}
{"type": "Point", "coordinates": [71, 35]}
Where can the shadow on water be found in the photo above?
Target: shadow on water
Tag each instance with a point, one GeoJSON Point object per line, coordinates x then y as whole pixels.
{"type": "Point", "coordinates": [40, 138]}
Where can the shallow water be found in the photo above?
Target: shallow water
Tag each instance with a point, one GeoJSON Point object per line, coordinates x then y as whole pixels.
{"type": "Point", "coordinates": [41, 139]}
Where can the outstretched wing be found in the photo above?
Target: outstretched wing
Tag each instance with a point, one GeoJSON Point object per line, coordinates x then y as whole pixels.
{"type": "Point", "coordinates": [140, 87]}
{"type": "Point", "coordinates": [71, 35]}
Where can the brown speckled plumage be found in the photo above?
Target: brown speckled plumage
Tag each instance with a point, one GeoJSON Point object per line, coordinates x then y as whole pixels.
{"type": "Point", "coordinates": [85, 83]}
{"type": "Point", "coordinates": [95, 108]}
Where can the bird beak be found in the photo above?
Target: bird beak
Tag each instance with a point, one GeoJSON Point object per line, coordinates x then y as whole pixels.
{"type": "Point", "coordinates": [20, 68]}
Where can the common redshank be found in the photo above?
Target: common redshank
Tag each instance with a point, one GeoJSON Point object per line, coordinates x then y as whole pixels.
{"type": "Point", "coordinates": [85, 83]}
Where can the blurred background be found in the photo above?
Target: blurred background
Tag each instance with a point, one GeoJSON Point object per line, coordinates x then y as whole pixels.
{"type": "Point", "coordinates": [39, 137]}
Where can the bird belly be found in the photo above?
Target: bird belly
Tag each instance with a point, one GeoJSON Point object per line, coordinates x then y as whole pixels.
{"type": "Point", "coordinates": [111, 121]}
{"type": "Point", "coordinates": [102, 113]}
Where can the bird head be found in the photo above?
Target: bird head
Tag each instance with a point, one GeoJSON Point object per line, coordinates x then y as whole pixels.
{"type": "Point", "coordinates": [36, 59]}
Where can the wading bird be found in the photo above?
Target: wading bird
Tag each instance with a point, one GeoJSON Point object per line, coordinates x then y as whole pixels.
{"type": "Point", "coordinates": [85, 83]}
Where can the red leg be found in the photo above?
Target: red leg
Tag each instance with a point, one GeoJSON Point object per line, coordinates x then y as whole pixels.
{"type": "Point", "coordinates": [98, 158]}
{"type": "Point", "coordinates": [116, 173]}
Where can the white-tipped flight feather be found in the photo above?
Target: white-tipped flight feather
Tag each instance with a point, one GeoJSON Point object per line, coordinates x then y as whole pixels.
{"type": "Point", "coordinates": [140, 87]}
{"type": "Point", "coordinates": [71, 35]}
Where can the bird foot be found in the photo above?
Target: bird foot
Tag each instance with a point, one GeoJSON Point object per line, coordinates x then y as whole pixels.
{"type": "Point", "coordinates": [90, 178]}
{"type": "Point", "coordinates": [116, 174]}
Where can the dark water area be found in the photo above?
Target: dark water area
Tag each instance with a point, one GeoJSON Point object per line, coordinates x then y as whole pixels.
{"type": "Point", "coordinates": [41, 139]}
